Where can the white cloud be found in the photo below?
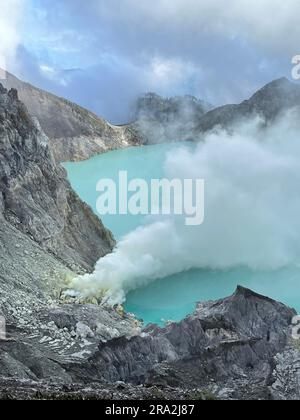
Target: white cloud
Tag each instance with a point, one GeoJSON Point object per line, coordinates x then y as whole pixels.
{"type": "Point", "coordinates": [166, 73]}
{"type": "Point", "coordinates": [10, 23]}
{"type": "Point", "coordinates": [272, 24]}
{"type": "Point", "coordinates": [219, 50]}
{"type": "Point", "coordinates": [53, 74]}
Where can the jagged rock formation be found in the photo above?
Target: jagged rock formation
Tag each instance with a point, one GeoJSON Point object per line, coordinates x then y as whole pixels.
{"type": "Point", "coordinates": [161, 119]}
{"type": "Point", "coordinates": [46, 233]}
{"type": "Point", "coordinates": [269, 103]}
{"type": "Point", "coordinates": [235, 348]}
{"type": "Point", "coordinates": [74, 133]}
{"type": "Point", "coordinates": [230, 344]}
{"type": "Point", "coordinates": [35, 196]}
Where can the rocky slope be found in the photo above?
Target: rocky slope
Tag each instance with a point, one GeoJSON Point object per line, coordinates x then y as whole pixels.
{"type": "Point", "coordinates": [46, 233]}
{"type": "Point", "coordinates": [74, 132]}
{"type": "Point", "coordinates": [235, 348]}
{"type": "Point", "coordinates": [35, 196]}
{"type": "Point", "coordinates": [269, 103]}
{"type": "Point", "coordinates": [226, 347]}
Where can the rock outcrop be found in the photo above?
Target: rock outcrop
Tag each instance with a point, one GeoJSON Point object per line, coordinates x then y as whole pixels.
{"type": "Point", "coordinates": [269, 103]}
{"type": "Point", "coordinates": [35, 196]}
{"type": "Point", "coordinates": [74, 133]}
{"type": "Point", "coordinates": [235, 348]}
{"type": "Point", "coordinates": [160, 120]}
{"type": "Point", "coordinates": [47, 234]}
{"type": "Point", "coordinates": [226, 347]}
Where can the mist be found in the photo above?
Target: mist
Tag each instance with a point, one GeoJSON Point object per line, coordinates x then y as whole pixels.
{"type": "Point", "coordinates": [10, 17]}
{"type": "Point", "coordinates": [161, 120]}
{"type": "Point", "coordinates": [252, 207]}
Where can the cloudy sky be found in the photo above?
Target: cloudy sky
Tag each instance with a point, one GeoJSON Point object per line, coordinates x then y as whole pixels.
{"type": "Point", "coordinates": [103, 53]}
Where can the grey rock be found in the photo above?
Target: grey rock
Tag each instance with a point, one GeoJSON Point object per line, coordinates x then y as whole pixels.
{"type": "Point", "coordinates": [234, 348]}
{"type": "Point", "coordinates": [286, 375]}
{"type": "Point", "coordinates": [74, 133]}
{"type": "Point", "coordinates": [11, 389]}
{"type": "Point", "coordinates": [269, 103]}
{"type": "Point", "coordinates": [27, 358]}
{"type": "Point", "coordinates": [47, 235]}
{"type": "Point", "coordinates": [226, 347]}
{"type": "Point", "coordinates": [160, 120]}
{"type": "Point", "coordinates": [36, 198]}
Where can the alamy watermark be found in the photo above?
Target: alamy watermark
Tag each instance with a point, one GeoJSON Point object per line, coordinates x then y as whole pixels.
{"type": "Point", "coordinates": [296, 68]}
{"type": "Point", "coordinates": [156, 197]}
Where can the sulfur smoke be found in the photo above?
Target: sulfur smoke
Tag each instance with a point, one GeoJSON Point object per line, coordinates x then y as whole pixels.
{"type": "Point", "coordinates": [252, 213]}
{"type": "Point", "coordinates": [10, 22]}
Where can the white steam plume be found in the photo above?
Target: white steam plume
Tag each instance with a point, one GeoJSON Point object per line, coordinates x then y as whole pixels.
{"type": "Point", "coordinates": [252, 213]}
{"type": "Point", "coordinates": [10, 22]}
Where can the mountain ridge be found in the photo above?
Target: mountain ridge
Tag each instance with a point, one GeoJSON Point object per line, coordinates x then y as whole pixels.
{"type": "Point", "coordinates": [77, 134]}
{"type": "Point", "coordinates": [268, 102]}
{"type": "Point", "coordinates": [159, 119]}
{"type": "Point", "coordinates": [74, 132]}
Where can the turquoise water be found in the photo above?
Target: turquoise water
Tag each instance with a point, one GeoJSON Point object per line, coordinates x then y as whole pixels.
{"type": "Point", "coordinates": [140, 162]}
{"type": "Point", "coordinates": [174, 297]}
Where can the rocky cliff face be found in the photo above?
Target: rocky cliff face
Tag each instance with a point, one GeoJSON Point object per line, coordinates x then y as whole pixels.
{"type": "Point", "coordinates": [46, 235]}
{"type": "Point", "coordinates": [74, 133]}
{"type": "Point", "coordinates": [35, 196]}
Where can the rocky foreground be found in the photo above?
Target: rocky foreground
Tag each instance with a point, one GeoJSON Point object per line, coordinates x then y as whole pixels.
{"type": "Point", "coordinates": [236, 348]}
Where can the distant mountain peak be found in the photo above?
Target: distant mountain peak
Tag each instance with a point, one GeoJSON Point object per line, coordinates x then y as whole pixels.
{"type": "Point", "coordinates": [163, 119]}
{"type": "Point", "coordinates": [148, 101]}
{"type": "Point", "coordinates": [271, 101]}
{"type": "Point", "coordinates": [282, 86]}
{"type": "Point", "coordinates": [281, 81]}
